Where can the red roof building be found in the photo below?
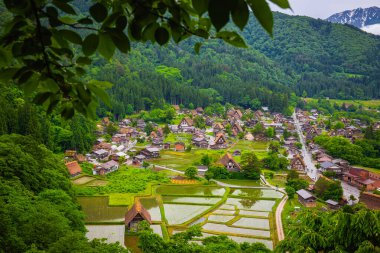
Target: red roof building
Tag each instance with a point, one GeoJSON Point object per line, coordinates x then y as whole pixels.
{"type": "Point", "coordinates": [73, 168]}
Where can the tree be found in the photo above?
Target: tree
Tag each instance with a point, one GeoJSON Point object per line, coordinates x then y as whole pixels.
{"type": "Point", "coordinates": [206, 160]}
{"type": "Point", "coordinates": [209, 175]}
{"type": "Point", "coordinates": [188, 148]}
{"type": "Point", "coordinates": [199, 122]}
{"type": "Point", "coordinates": [111, 129]}
{"type": "Point", "coordinates": [148, 128]}
{"type": "Point", "coordinates": [270, 133]}
{"type": "Point", "coordinates": [292, 174]}
{"type": "Point", "coordinates": [274, 146]}
{"type": "Point", "coordinates": [250, 165]}
{"type": "Point", "coordinates": [338, 125]}
{"type": "Point", "coordinates": [191, 172]}
{"type": "Point", "coordinates": [145, 164]}
{"type": "Point", "coordinates": [166, 129]}
{"type": "Point", "coordinates": [258, 128]}
{"type": "Point", "coordinates": [290, 191]}
{"type": "Point", "coordinates": [218, 172]}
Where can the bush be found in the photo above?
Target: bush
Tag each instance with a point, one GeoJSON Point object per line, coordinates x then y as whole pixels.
{"type": "Point", "coordinates": [290, 191]}
{"type": "Point", "coordinates": [219, 172]}
{"type": "Point", "coordinates": [191, 172]}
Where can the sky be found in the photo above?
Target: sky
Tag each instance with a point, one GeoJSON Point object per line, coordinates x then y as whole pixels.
{"type": "Point", "coordinates": [325, 8]}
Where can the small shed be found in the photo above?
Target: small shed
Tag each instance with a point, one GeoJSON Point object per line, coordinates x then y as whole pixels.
{"type": "Point", "coordinates": [135, 215]}
{"type": "Point", "coordinates": [179, 146]}
{"type": "Point", "coordinates": [306, 198]}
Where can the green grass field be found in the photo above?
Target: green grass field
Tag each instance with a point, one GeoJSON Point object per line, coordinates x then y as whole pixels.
{"type": "Point", "coordinates": [243, 145]}
{"type": "Point", "coordinates": [241, 182]}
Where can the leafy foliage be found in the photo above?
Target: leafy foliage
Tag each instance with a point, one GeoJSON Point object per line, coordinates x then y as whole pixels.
{"type": "Point", "coordinates": [51, 42]}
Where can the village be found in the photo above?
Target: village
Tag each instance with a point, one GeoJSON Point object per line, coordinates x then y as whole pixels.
{"type": "Point", "coordinates": [223, 139]}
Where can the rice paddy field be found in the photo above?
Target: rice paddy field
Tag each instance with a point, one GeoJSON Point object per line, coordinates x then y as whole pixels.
{"type": "Point", "coordinates": [244, 215]}
{"type": "Point", "coordinates": [374, 103]}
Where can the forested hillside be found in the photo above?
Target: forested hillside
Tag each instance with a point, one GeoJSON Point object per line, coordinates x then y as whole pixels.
{"type": "Point", "coordinates": [306, 56]}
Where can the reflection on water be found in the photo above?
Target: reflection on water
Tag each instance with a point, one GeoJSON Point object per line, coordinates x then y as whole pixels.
{"type": "Point", "coordinates": [151, 205]}
{"type": "Point", "coordinates": [190, 190]}
{"type": "Point", "coordinates": [97, 209]}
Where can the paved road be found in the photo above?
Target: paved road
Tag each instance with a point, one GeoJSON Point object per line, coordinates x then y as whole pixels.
{"type": "Point", "coordinates": [311, 170]}
{"type": "Point", "coordinates": [349, 190]}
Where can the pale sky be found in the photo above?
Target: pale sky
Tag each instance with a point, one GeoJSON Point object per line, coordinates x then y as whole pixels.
{"type": "Point", "coordinates": [325, 8]}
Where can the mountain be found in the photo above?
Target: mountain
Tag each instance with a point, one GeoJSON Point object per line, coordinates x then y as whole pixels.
{"type": "Point", "coordinates": [367, 19]}
{"type": "Point", "coordinates": [305, 56]}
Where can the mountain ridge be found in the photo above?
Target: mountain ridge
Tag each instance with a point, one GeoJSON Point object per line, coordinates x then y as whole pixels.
{"type": "Point", "coordinates": [360, 17]}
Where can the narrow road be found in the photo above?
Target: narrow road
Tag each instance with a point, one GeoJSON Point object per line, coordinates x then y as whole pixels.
{"type": "Point", "coordinates": [311, 170]}
{"type": "Point", "coordinates": [280, 229]}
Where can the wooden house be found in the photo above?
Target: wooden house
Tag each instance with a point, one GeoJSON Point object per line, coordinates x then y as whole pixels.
{"type": "Point", "coordinates": [230, 164]}
{"type": "Point", "coordinates": [166, 146]}
{"type": "Point", "coordinates": [135, 215]}
{"type": "Point", "coordinates": [200, 142]}
{"type": "Point", "coordinates": [150, 152]}
{"type": "Point", "coordinates": [362, 179]}
{"type": "Point", "coordinates": [306, 198]}
{"type": "Point", "coordinates": [100, 154]}
{"type": "Point", "coordinates": [186, 125]}
{"type": "Point", "coordinates": [329, 166]}
{"type": "Point", "coordinates": [297, 163]}
{"type": "Point", "coordinates": [219, 142]}
{"type": "Point", "coordinates": [106, 168]}
{"type": "Point", "coordinates": [218, 127]}
{"type": "Point", "coordinates": [199, 110]}
{"type": "Point", "coordinates": [73, 168]}
{"type": "Point", "coordinates": [179, 146]}
{"type": "Point", "coordinates": [138, 160]}
{"type": "Point", "coordinates": [236, 129]}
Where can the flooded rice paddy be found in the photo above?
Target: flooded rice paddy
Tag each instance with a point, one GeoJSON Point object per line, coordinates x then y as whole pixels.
{"type": "Point", "coordinates": [243, 217]}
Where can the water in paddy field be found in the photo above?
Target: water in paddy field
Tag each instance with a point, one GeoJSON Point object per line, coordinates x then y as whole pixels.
{"type": "Point", "coordinates": [97, 209]}
{"type": "Point", "coordinates": [190, 190]}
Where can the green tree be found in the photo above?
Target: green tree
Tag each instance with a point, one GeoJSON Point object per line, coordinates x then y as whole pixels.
{"type": "Point", "coordinates": [191, 172]}
{"type": "Point", "coordinates": [290, 191]}
{"type": "Point", "coordinates": [206, 160]}
{"type": "Point", "coordinates": [250, 165]}
{"type": "Point", "coordinates": [145, 164]}
{"type": "Point", "coordinates": [199, 122]}
{"type": "Point", "coordinates": [218, 172]}
{"type": "Point", "coordinates": [270, 133]}
{"type": "Point", "coordinates": [148, 128]}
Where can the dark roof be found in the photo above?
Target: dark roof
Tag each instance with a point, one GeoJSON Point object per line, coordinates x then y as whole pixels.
{"type": "Point", "coordinates": [227, 158]}
{"type": "Point", "coordinates": [332, 202]}
{"type": "Point", "coordinates": [327, 165]}
{"type": "Point", "coordinates": [137, 208]}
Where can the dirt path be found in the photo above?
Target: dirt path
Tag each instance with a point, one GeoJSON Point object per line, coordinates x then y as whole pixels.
{"type": "Point", "coordinates": [280, 229]}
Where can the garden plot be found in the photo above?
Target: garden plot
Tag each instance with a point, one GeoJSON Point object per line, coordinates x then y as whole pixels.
{"type": "Point", "coordinates": [178, 213]}
{"type": "Point", "coordinates": [257, 193]}
{"type": "Point", "coordinates": [191, 200]}
{"type": "Point", "coordinates": [253, 223]}
{"type": "Point", "coordinates": [190, 190]}
{"type": "Point", "coordinates": [220, 218]}
{"type": "Point", "coordinates": [151, 205]}
{"type": "Point", "coordinates": [83, 180]}
{"type": "Point", "coordinates": [252, 204]}
{"type": "Point", "coordinates": [254, 213]}
{"type": "Point", "coordinates": [224, 229]}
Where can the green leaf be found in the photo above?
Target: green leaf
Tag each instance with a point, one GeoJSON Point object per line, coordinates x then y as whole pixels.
{"type": "Point", "coordinates": [99, 12]}
{"type": "Point", "coordinates": [106, 46]}
{"type": "Point", "coordinates": [202, 33]}
{"type": "Point", "coordinates": [121, 23]}
{"type": "Point", "coordinates": [121, 41]}
{"type": "Point", "coordinates": [263, 14]}
{"type": "Point", "coordinates": [67, 111]}
{"type": "Point", "coordinates": [281, 3]}
{"type": "Point", "coordinates": [71, 36]}
{"type": "Point", "coordinates": [4, 57]}
{"type": "Point", "coordinates": [64, 7]}
{"type": "Point", "coordinates": [84, 61]}
{"type": "Point", "coordinates": [67, 20]}
{"type": "Point", "coordinates": [40, 98]}
{"type": "Point", "coordinates": [240, 14]}
{"type": "Point", "coordinates": [200, 6]}
{"type": "Point", "coordinates": [90, 44]}
{"type": "Point", "coordinates": [232, 38]}
{"type": "Point", "coordinates": [197, 47]}
{"type": "Point", "coordinates": [219, 13]}
{"type": "Point", "coordinates": [161, 35]}
{"type": "Point", "coordinates": [85, 21]}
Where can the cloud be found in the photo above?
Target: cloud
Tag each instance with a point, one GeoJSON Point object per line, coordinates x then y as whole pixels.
{"type": "Point", "coordinates": [374, 29]}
